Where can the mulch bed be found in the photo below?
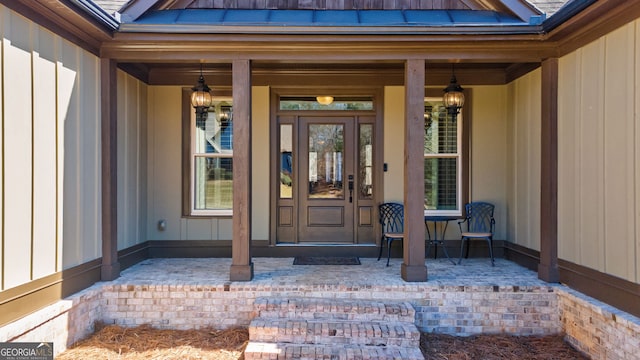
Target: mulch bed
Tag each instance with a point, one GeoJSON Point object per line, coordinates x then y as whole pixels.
{"type": "Point", "coordinates": [144, 342]}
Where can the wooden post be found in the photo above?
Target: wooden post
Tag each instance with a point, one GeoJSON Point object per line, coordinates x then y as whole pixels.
{"type": "Point", "coordinates": [413, 267]}
{"type": "Point", "coordinates": [548, 267]}
{"type": "Point", "coordinates": [241, 266]}
{"type": "Point", "coordinates": [110, 268]}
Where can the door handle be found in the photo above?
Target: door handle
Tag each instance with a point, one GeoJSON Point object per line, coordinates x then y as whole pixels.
{"type": "Point", "coordinates": [350, 188]}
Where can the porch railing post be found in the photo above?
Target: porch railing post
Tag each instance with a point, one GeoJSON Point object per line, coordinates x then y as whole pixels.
{"type": "Point", "coordinates": [413, 267]}
{"type": "Point", "coordinates": [241, 265]}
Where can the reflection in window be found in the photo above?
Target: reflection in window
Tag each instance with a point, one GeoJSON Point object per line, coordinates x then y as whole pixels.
{"type": "Point", "coordinates": [326, 145]}
{"type": "Point", "coordinates": [442, 159]}
{"type": "Point", "coordinates": [212, 159]}
{"type": "Point", "coordinates": [365, 163]}
{"type": "Point", "coordinates": [286, 161]}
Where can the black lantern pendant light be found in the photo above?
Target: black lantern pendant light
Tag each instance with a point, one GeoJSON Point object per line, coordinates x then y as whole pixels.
{"type": "Point", "coordinates": [201, 100]}
{"type": "Point", "coordinates": [453, 98]}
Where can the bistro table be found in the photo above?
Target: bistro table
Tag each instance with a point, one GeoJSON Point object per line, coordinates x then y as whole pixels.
{"type": "Point", "coordinates": [443, 221]}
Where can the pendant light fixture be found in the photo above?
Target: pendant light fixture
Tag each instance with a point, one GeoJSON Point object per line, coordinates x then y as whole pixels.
{"type": "Point", "coordinates": [453, 98]}
{"type": "Point", "coordinates": [201, 100]}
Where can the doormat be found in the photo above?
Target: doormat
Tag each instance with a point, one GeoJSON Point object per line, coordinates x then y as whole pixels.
{"type": "Point", "coordinates": [326, 260]}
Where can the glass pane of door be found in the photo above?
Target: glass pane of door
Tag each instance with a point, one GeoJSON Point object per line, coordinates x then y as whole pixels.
{"type": "Point", "coordinates": [326, 146]}
{"type": "Point", "coordinates": [365, 162]}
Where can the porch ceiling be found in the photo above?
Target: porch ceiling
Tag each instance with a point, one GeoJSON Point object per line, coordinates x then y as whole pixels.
{"type": "Point", "coordinates": [313, 73]}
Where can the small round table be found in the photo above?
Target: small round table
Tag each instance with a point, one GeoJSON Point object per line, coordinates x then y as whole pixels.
{"type": "Point", "coordinates": [443, 221]}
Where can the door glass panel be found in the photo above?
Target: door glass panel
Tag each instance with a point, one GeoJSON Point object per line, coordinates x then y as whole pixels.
{"type": "Point", "coordinates": [286, 161]}
{"type": "Point", "coordinates": [365, 163]}
{"type": "Point", "coordinates": [326, 146]}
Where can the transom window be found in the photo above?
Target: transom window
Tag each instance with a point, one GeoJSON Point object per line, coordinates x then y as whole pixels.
{"type": "Point", "coordinates": [442, 160]}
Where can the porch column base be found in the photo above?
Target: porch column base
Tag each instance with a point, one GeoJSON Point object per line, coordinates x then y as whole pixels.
{"type": "Point", "coordinates": [241, 272]}
{"type": "Point", "coordinates": [548, 273]}
{"type": "Point", "coordinates": [110, 272]}
{"type": "Point", "coordinates": [413, 273]}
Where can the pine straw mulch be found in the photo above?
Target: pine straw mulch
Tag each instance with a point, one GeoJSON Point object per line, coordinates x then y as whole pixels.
{"type": "Point", "coordinates": [145, 342]}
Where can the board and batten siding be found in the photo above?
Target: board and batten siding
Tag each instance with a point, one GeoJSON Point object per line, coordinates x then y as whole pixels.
{"type": "Point", "coordinates": [50, 152]}
{"type": "Point", "coordinates": [599, 156]}
{"type": "Point", "coordinates": [132, 161]}
{"type": "Point", "coordinates": [523, 160]}
{"type": "Point", "coordinates": [165, 170]}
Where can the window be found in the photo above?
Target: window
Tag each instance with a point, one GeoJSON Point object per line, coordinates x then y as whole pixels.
{"type": "Point", "coordinates": [210, 159]}
{"type": "Point", "coordinates": [443, 160]}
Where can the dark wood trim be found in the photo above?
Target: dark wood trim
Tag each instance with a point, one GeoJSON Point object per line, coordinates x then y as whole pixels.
{"type": "Point", "coordinates": [617, 292]}
{"type": "Point", "coordinates": [133, 255]}
{"type": "Point", "coordinates": [597, 20]}
{"type": "Point", "coordinates": [413, 266]}
{"type": "Point", "coordinates": [516, 71]}
{"type": "Point", "coordinates": [521, 255]}
{"type": "Point", "coordinates": [62, 21]}
{"type": "Point", "coordinates": [548, 268]}
{"type": "Point", "coordinates": [187, 109]}
{"type": "Point", "coordinates": [241, 267]}
{"type": "Point", "coordinates": [109, 148]}
{"type": "Point", "coordinates": [27, 298]}
{"type": "Point", "coordinates": [138, 71]}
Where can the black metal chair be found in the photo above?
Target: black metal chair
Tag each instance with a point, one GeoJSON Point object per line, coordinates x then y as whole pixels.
{"type": "Point", "coordinates": [480, 224]}
{"type": "Point", "coordinates": [392, 221]}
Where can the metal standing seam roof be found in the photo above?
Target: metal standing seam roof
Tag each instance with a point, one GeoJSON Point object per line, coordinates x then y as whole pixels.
{"type": "Point", "coordinates": [334, 18]}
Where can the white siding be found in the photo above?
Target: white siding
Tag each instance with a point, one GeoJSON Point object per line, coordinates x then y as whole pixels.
{"type": "Point", "coordinates": [598, 155]}
{"type": "Point", "coordinates": [51, 152]}
{"type": "Point", "coordinates": [523, 161]}
{"type": "Point", "coordinates": [18, 170]}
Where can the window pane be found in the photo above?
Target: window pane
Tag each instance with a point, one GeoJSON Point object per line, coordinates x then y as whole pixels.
{"type": "Point", "coordinates": [214, 135]}
{"type": "Point", "coordinates": [365, 163]}
{"type": "Point", "coordinates": [440, 183]}
{"type": "Point", "coordinates": [286, 161]}
{"type": "Point", "coordinates": [213, 183]}
{"type": "Point", "coordinates": [441, 132]}
{"type": "Point", "coordinates": [326, 143]}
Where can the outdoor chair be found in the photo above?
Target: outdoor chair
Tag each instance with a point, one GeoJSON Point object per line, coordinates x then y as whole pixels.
{"type": "Point", "coordinates": [479, 225]}
{"type": "Point", "coordinates": [392, 221]}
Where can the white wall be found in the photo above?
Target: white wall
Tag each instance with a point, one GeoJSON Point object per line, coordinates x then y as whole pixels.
{"type": "Point", "coordinates": [51, 152]}
{"type": "Point", "coordinates": [523, 160]}
{"type": "Point", "coordinates": [599, 156]}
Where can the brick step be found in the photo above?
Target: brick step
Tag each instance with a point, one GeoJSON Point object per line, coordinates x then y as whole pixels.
{"type": "Point", "coordinates": [338, 309]}
{"type": "Point", "coordinates": [259, 350]}
{"type": "Point", "coordinates": [326, 331]}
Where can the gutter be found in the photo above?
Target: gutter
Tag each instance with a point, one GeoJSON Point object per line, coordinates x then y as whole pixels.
{"type": "Point", "coordinates": [96, 12]}
{"type": "Point", "coordinates": [566, 12]}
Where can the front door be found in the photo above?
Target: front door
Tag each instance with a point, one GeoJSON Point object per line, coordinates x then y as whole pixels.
{"type": "Point", "coordinates": [326, 190]}
{"type": "Point", "coordinates": [326, 169]}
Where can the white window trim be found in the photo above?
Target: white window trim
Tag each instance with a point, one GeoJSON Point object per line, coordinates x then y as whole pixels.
{"type": "Point", "coordinates": [192, 158]}
{"type": "Point", "coordinates": [457, 155]}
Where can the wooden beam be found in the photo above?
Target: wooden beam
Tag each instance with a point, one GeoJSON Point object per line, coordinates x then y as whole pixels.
{"type": "Point", "coordinates": [413, 267]}
{"type": "Point", "coordinates": [241, 265]}
{"type": "Point", "coordinates": [109, 135]}
{"type": "Point", "coordinates": [548, 268]}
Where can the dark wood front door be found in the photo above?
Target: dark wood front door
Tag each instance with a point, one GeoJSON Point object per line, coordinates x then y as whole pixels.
{"type": "Point", "coordinates": [326, 173]}
{"type": "Point", "coordinates": [327, 179]}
